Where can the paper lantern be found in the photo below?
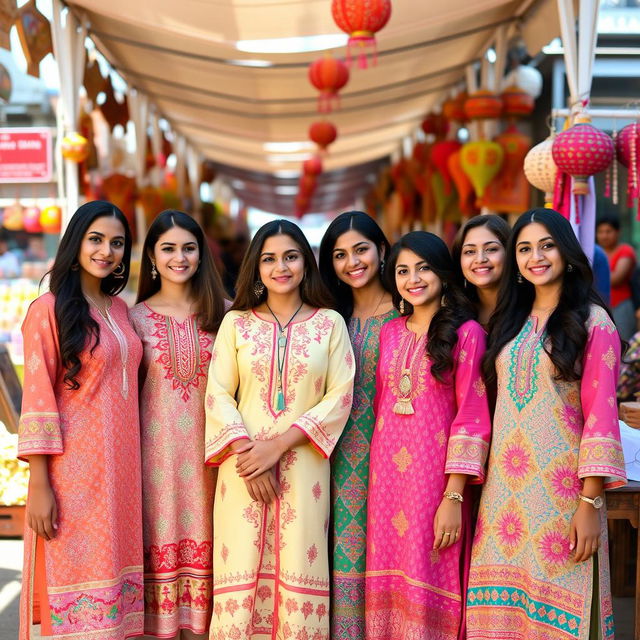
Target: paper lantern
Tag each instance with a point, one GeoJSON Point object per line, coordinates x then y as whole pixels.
{"type": "Point", "coordinates": [628, 152]}
{"type": "Point", "coordinates": [481, 161]}
{"type": "Point", "coordinates": [582, 151]}
{"type": "Point", "coordinates": [323, 133]}
{"type": "Point", "coordinates": [51, 219]}
{"type": "Point", "coordinates": [528, 78]}
{"type": "Point", "coordinates": [75, 147]}
{"type": "Point", "coordinates": [541, 170]}
{"type": "Point", "coordinates": [307, 184]}
{"type": "Point", "coordinates": [328, 75]}
{"type": "Point", "coordinates": [312, 166]}
{"type": "Point", "coordinates": [515, 145]}
{"type": "Point", "coordinates": [443, 197]}
{"type": "Point", "coordinates": [13, 217]}
{"type": "Point", "coordinates": [440, 153]}
{"type": "Point", "coordinates": [421, 153]}
{"type": "Point", "coordinates": [453, 109]}
{"type": "Point", "coordinates": [462, 183]}
{"type": "Point", "coordinates": [517, 102]}
{"type": "Point", "coordinates": [361, 19]}
{"type": "Point", "coordinates": [483, 104]}
{"type": "Point", "coordinates": [31, 220]}
{"type": "Point", "coordinates": [435, 124]}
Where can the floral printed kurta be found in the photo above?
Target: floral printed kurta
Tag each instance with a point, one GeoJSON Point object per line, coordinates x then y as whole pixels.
{"type": "Point", "coordinates": [411, 591]}
{"type": "Point", "coordinates": [89, 577]}
{"type": "Point", "coordinates": [548, 435]}
{"type": "Point", "coordinates": [270, 562]}
{"type": "Point", "coordinates": [177, 487]}
{"type": "Point", "coordinates": [349, 484]}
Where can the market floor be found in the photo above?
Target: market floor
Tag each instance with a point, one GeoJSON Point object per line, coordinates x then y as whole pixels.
{"type": "Point", "coordinates": [11, 573]}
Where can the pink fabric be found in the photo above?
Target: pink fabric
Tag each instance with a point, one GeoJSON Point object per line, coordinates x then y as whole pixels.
{"type": "Point", "coordinates": [412, 592]}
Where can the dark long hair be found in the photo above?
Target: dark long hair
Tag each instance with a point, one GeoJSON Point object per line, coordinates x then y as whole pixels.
{"type": "Point", "coordinates": [566, 328]}
{"type": "Point", "coordinates": [455, 310]}
{"type": "Point", "coordinates": [206, 284]}
{"type": "Point", "coordinates": [76, 328]}
{"type": "Point", "coordinates": [312, 290]}
{"type": "Point", "coordinates": [500, 229]}
{"type": "Point", "coordinates": [363, 224]}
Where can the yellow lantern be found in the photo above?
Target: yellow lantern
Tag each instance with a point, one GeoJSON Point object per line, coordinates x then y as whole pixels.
{"type": "Point", "coordinates": [481, 161]}
{"type": "Point", "coordinates": [51, 219]}
{"type": "Point", "coordinates": [75, 147]}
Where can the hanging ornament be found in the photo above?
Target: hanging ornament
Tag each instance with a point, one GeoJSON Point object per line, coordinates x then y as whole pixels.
{"type": "Point", "coordinates": [628, 153]}
{"type": "Point", "coordinates": [541, 170]}
{"type": "Point", "coordinates": [517, 103]}
{"type": "Point", "coordinates": [31, 219]}
{"type": "Point", "coordinates": [453, 109]}
{"type": "Point", "coordinates": [528, 78]}
{"type": "Point", "coordinates": [466, 196]}
{"type": "Point", "coordinates": [421, 153]}
{"type": "Point", "coordinates": [307, 184]}
{"type": "Point", "coordinates": [582, 151]}
{"type": "Point", "coordinates": [34, 32]}
{"type": "Point", "coordinates": [481, 161]}
{"type": "Point", "coordinates": [74, 147]}
{"type": "Point", "coordinates": [13, 218]}
{"type": "Point", "coordinates": [361, 19]}
{"type": "Point", "coordinates": [302, 203]}
{"type": "Point", "coordinates": [51, 219]}
{"type": "Point", "coordinates": [515, 145]}
{"type": "Point", "coordinates": [93, 80]}
{"type": "Point", "coordinates": [435, 124]}
{"type": "Point", "coordinates": [323, 133]}
{"type": "Point", "coordinates": [440, 152]}
{"type": "Point", "coordinates": [8, 15]}
{"type": "Point", "coordinates": [114, 112]}
{"type": "Point", "coordinates": [312, 166]}
{"type": "Point", "coordinates": [328, 75]}
{"type": "Point", "coordinates": [483, 105]}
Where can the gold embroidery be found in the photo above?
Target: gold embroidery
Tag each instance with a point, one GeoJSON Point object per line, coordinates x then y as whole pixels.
{"type": "Point", "coordinates": [400, 523]}
{"type": "Point", "coordinates": [609, 358]}
{"type": "Point", "coordinates": [402, 459]}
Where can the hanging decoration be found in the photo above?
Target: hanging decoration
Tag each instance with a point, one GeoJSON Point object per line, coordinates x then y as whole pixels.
{"type": "Point", "coordinates": [75, 147]}
{"type": "Point", "coordinates": [361, 20]}
{"type": "Point", "coordinates": [440, 152]}
{"type": "Point", "coordinates": [302, 203]}
{"type": "Point", "coordinates": [435, 124]}
{"type": "Point", "coordinates": [483, 104]}
{"type": "Point", "coordinates": [541, 170]}
{"type": "Point", "coordinates": [8, 15]}
{"type": "Point", "coordinates": [481, 161]}
{"type": "Point", "coordinates": [628, 153]}
{"type": "Point", "coordinates": [312, 166]}
{"type": "Point", "coordinates": [323, 133]}
{"type": "Point", "coordinates": [51, 219]}
{"type": "Point", "coordinates": [307, 184]}
{"type": "Point", "coordinates": [114, 112]}
{"type": "Point", "coordinates": [34, 32]}
{"type": "Point", "coordinates": [13, 216]}
{"type": "Point", "coordinates": [466, 195]}
{"type": "Point", "coordinates": [31, 219]}
{"type": "Point", "coordinates": [527, 78]}
{"type": "Point", "coordinates": [328, 75]}
{"type": "Point", "coordinates": [93, 80]}
{"type": "Point", "coordinates": [453, 109]}
{"type": "Point", "coordinates": [517, 103]}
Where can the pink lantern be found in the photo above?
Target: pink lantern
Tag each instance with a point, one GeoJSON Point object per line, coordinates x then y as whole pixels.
{"type": "Point", "coordinates": [31, 220]}
{"type": "Point", "coordinates": [628, 152]}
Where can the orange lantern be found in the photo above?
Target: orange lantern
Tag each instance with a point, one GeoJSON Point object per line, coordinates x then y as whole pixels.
{"type": "Point", "coordinates": [462, 183]}
{"type": "Point", "coordinates": [51, 219]}
{"type": "Point", "coordinates": [517, 102]}
{"type": "Point", "coordinates": [323, 133]}
{"type": "Point", "coordinates": [481, 161]}
{"type": "Point", "coordinates": [328, 75]}
{"type": "Point", "coordinates": [483, 105]}
{"type": "Point", "coordinates": [13, 218]}
{"type": "Point", "coordinates": [453, 109]}
{"type": "Point", "coordinates": [516, 146]}
{"type": "Point", "coordinates": [75, 147]}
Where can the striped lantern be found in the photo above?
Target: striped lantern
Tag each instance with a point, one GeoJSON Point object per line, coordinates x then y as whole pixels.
{"type": "Point", "coordinates": [541, 170]}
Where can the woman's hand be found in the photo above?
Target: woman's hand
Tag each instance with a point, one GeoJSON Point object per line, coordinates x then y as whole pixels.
{"type": "Point", "coordinates": [264, 488]}
{"type": "Point", "coordinates": [584, 532]}
{"type": "Point", "coordinates": [447, 524]}
{"type": "Point", "coordinates": [262, 456]}
{"type": "Point", "coordinates": [42, 511]}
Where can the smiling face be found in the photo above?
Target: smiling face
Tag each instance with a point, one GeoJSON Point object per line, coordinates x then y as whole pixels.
{"type": "Point", "coordinates": [417, 283]}
{"type": "Point", "coordinates": [482, 258]}
{"type": "Point", "coordinates": [102, 247]}
{"type": "Point", "coordinates": [356, 259]}
{"type": "Point", "coordinates": [538, 257]}
{"type": "Point", "coordinates": [177, 255]}
{"type": "Point", "coordinates": [281, 266]}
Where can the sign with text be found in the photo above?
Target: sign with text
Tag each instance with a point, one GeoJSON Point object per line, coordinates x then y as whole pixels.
{"type": "Point", "coordinates": [25, 155]}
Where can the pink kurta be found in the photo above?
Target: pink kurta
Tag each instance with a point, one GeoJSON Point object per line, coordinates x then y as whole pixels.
{"type": "Point", "coordinates": [411, 591]}
{"type": "Point", "coordinates": [93, 567]}
{"type": "Point", "coordinates": [177, 486]}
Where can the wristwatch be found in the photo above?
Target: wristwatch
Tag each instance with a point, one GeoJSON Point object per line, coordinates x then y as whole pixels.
{"type": "Point", "coordinates": [596, 502]}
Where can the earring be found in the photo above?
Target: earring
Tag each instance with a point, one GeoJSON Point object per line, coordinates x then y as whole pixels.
{"type": "Point", "coordinates": [75, 266]}
{"type": "Point", "coordinates": [465, 283]}
{"type": "Point", "coordinates": [519, 278]}
{"type": "Point", "coordinates": [258, 288]}
{"type": "Point", "coordinates": [118, 272]}
{"type": "Point", "coordinates": [570, 268]}
{"type": "Point", "coordinates": [154, 272]}
{"type": "Point", "coordinates": [382, 266]}
{"type": "Point", "coordinates": [401, 306]}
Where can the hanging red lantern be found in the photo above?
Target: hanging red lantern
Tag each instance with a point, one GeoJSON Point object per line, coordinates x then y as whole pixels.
{"type": "Point", "coordinates": [517, 102]}
{"type": "Point", "coordinates": [483, 105]}
{"type": "Point", "coordinates": [435, 124]}
{"type": "Point", "coordinates": [421, 153]}
{"type": "Point", "coordinates": [323, 133]}
{"type": "Point", "coordinates": [453, 109]}
{"type": "Point", "coordinates": [328, 75]}
{"type": "Point", "coordinates": [312, 166]}
{"type": "Point", "coordinates": [628, 152]}
{"type": "Point", "coordinates": [361, 19]}
{"type": "Point", "coordinates": [440, 153]}
{"type": "Point", "coordinates": [582, 151]}
{"type": "Point", "coordinates": [516, 146]}
{"type": "Point", "coordinates": [302, 203]}
{"type": "Point", "coordinates": [307, 184]}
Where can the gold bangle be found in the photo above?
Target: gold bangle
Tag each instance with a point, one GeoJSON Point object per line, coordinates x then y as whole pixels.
{"type": "Point", "coordinates": [453, 495]}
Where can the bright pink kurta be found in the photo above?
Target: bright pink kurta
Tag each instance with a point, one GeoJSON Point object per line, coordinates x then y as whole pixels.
{"type": "Point", "coordinates": [93, 566]}
{"type": "Point", "coordinates": [411, 591]}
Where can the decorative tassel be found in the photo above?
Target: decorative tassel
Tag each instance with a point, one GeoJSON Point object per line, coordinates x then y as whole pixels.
{"type": "Point", "coordinates": [280, 404]}
{"type": "Point", "coordinates": [614, 181]}
{"type": "Point", "coordinates": [403, 407]}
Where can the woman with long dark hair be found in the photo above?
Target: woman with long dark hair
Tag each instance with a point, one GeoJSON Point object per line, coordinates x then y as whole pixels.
{"type": "Point", "coordinates": [478, 253]}
{"type": "Point", "coordinates": [431, 437]}
{"type": "Point", "coordinates": [179, 308]}
{"type": "Point", "coordinates": [541, 536]}
{"type": "Point", "coordinates": [79, 430]}
{"type": "Point", "coordinates": [352, 261]}
{"type": "Point", "coordinates": [278, 397]}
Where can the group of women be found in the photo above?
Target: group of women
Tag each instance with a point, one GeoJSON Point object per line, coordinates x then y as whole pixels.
{"type": "Point", "coordinates": [340, 415]}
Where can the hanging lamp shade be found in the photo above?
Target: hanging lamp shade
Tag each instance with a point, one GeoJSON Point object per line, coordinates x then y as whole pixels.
{"type": "Point", "coordinates": [541, 170]}
{"type": "Point", "coordinates": [453, 109]}
{"type": "Point", "coordinates": [323, 133]}
{"type": "Point", "coordinates": [361, 20]}
{"type": "Point", "coordinates": [462, 183]}
{"type": "Point", "coordinates": [328, 75]}
{"type": "Point", "coordinates": [517, 103]}
{"type": "Point", "coordinates": [628, 152]}
{"type": "Point", "coordinates": [481, 161]}
{"type": "Point", "coordinates": [483, 105]}
{"type": "Point", "coordinates": [582, 151]}
{"type": "Point", "coordinates": [312, 166]}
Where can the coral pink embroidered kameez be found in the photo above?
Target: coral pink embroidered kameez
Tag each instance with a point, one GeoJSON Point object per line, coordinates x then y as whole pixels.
{"type": "Point", "coordinates": [270, 562]}
{"type": "Point", "coordinates": [89, 577]}
{"type": "Point", "coordinates": [177, 486]}
{"type": "Point", "coordinates": [411, 591]}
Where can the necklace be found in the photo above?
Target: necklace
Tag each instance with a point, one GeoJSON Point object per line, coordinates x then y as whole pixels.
{"type": "Point", "coordinates": [102, 310]}
{"type": "Point", "coordinates": [282, 350]}
{"type": "Point", "coordinates": [377, 306]}
{"type": "Point", "coordinates": [403, 405]}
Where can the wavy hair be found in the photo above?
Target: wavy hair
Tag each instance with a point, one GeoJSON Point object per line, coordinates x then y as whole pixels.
{"type": "Point", "coordinates": [312, 290]}
{"type": "Point", "coordinates": [566, 333]}
{"type": "Point", "coordinates": [456, 309]}
{"type": "Point", "coordinates": [363, 224]}
{"type": "Point", "coordinates": [206, 284]}
{"type": "Point", "coordinates": [76, 328]}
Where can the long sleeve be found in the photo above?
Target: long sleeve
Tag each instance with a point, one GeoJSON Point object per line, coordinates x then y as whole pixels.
{"type": "Point", "coordinates": [600, 448]}
{"type": "Point", "coordinates": [471, 428]}
{"type": "Point", "coordinates": [224, 424]}
{"type": "Point", "coordinates": [39, 430]}
{"type": "Point", "coordinates": [323, 424]}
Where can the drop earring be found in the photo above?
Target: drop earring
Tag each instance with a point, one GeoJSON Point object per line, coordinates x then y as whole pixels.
{"type": "Point", "coordinates": [118, 272]}
{"type": "Point", "coordinates": [519, 278]}
{"type": "Point", "coordinates": [570, 268]}
{"type": "Point", "coordinates": [154, 271]}
{"type": "Point", "coordinates": [258, 288]}
{"type": "Point", "coordinates": [382, 266]}
{"type": "Point", "coordinates": [401, 306]}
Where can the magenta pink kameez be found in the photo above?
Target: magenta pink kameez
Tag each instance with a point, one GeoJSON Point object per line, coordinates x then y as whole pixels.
{"type": "Point", "coordinates": [412, 592]}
